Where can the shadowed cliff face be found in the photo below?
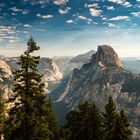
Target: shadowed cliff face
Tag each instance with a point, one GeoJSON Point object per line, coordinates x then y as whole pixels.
{"type": "Point", "coordinates": [102, 77]}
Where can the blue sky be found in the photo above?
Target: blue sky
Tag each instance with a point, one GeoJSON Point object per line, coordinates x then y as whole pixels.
{"type": "Point", "coordinates": [70, 27]}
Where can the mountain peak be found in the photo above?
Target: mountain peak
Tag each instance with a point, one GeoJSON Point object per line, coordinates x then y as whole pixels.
{"type": "Point", "coordinates": [106, 56]}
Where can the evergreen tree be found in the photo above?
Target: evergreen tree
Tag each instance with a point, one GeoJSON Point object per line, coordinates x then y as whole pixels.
{"type": "Point", "coordinates": [28, 118]}
{"type": "Point", "coordinates": [94, 124]}
{"type": "Point", "coordinates": [73, 125]}
{"type": "Point", "coordinates": [109, 118]}
{"type": "Point", "coordinates": [116, 124]}
{"type": "Point", "coordinates": [121, 128]}
{"type": "Point", "coordinates": [52, 123]}
{"type": "Point", "coordinates": [85, 123]}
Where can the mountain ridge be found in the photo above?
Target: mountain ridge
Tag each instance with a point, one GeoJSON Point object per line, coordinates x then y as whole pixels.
{"type": "Point", "coordinates": [103, 76]}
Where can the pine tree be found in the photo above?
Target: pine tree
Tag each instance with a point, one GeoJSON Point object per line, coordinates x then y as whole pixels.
{"type": "Point", "coordinates": [85, 123]}
{"type": "Point", "coordinates": [109, 118]}
{"type": "Point", "coordinates": [121, 128]}
{"type": "Point", "coordinates": [28, 118]}
{"type": "Point", "coordinates": [52, 122]}
{"type": "Point", "coordinates": [95, 124]}
{"type": "Point", "coordinates": [72, 126]}
{"type": "Point", "coordinates": [116, 124]}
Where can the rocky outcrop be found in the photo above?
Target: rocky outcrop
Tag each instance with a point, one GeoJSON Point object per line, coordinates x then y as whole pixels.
{"type": "Point", "coordinates": [83, 58]}
{"type": "Point", "coordinates": [5, 71]}
{"type": "Point", "coordinates": [106, 56]}
{"type": "Point", "coordinates": [47, 67]}
{"type": "Point", "coordinates": [6, 79]}
{"type": "Point", "coordinates": [101, 77]}
{"type": "Point", "coordinates": [50, 70]}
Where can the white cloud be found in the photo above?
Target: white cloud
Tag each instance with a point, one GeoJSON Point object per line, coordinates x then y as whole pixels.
{"type": "Point", "coordinates": [111, 25]}
{"type": "Point", "coordinates": [25, 12]}
{"type": "Point", "coordinates": [110, 8]}
{"type": "Point", "coordinates": [25, 32]}
{"type": "Point", "coordinates": [94, 5]}
{"type": "Point", "coordinates": [121, 2]}
{"type": "Point", "coordinates": [64, 11]}
{"type": "Point", "coordinates": [104, 18]}
{"type": "Point", "coordinates": [59, 2]}
{"type": "Point", "coordinates": [136, 14]}
{"type": "Point", "coordinates": [15, 9]}
{"type": "Point", "coordinates": [119, 18]}
{"type": "Point", "coordinates": [94, 12]}
{"type": "Point", "coordinates": [70, 21]}
{"type": "Point", "coordinates": [82, 17]}
{"type": "Point", "coordinates": [13, 41]}
{"type": "Point", "coordinates": [27, 25]}
{"type": "Point", "coordinates": [44, 16]}
{"type": "Point", "coordinates": [8, 34]}
{"type": "Point", "coordinates": [87, 20]}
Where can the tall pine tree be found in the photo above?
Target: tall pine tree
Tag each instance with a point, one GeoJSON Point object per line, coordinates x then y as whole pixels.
{"type": "Point", "coordinates": [121, 128]}
{"type": "Point", "coordinates": [28, 118]}
{"type": "Point", "coordinates": [85, 123]}
{"type": "Point", "coordinates": [52, 123]}
{"type": "Point", "coordinates": [109, 118]}
{"type": "Point", "coordinates": [116, 125]}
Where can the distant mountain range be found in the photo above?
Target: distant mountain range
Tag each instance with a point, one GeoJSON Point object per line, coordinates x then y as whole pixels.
{"type": "Point", "coordinates": [91, 76]}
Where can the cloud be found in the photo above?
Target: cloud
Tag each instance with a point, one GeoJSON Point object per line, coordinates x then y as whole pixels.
{"type": "Point", "coordinates": [94, 5]}
{"type": "Point", "coordinates": [112, 25]}
{"type": "Point", "coordinates": [64, 11]}
{"type": "Point", "coordinates": [15, 9]}
{"type": "Point", "coordinates": [95, 12]}
{"type": "Point", "coordinates": [13, 41]}
{"type": "Point", "coordinates": [25, 12]}
{"type": "Point", "coordinates": [87, 20]}
{"type": "Point", "coordinates": [44, 16]}
{"type": "Point", "coordinates": [27, 25]}
{"type": "Point", "coordinates": [121, 2]}
{"type": "Point", "coordinates": [82, 17]}
{"type": "Point", "coordinates": [8, 34]}
{"type": "Point", "coordinates": [119, 18]}
{"type": "Point", "coordinates": [110, 8]}
{"type": "Point", "coordinates": [59, 2]}
{"type": "Point", "coordinates": [43, 3]}
{"type": "Point", "coordinates": [70, 21]}
{"type": "Point", "coordinates": [25, 32]}
{"type": "Point", "coordinates": [136, 14]}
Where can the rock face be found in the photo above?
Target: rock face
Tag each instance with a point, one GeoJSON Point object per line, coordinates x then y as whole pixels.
{"type": "Point", "coordinates": [50, 70]}
{"type": "Point", "coordinates": [106, 56]}
{"type": "Point", "coordinates": [47, 67]}
{"type": "Point", "coordinates": [83, 58]}
{"type": "Point", "coordinates": [6, 78]}
{"type": "Point", "coordinates": [67, 63]}
{"type": "Point", "coordinates": [5, 71]}
{"type": "Point", "coordinates": [101, 77]}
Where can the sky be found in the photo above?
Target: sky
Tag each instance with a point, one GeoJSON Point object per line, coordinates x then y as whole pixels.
{"type": "Point", "coordinates": [70, 27]}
